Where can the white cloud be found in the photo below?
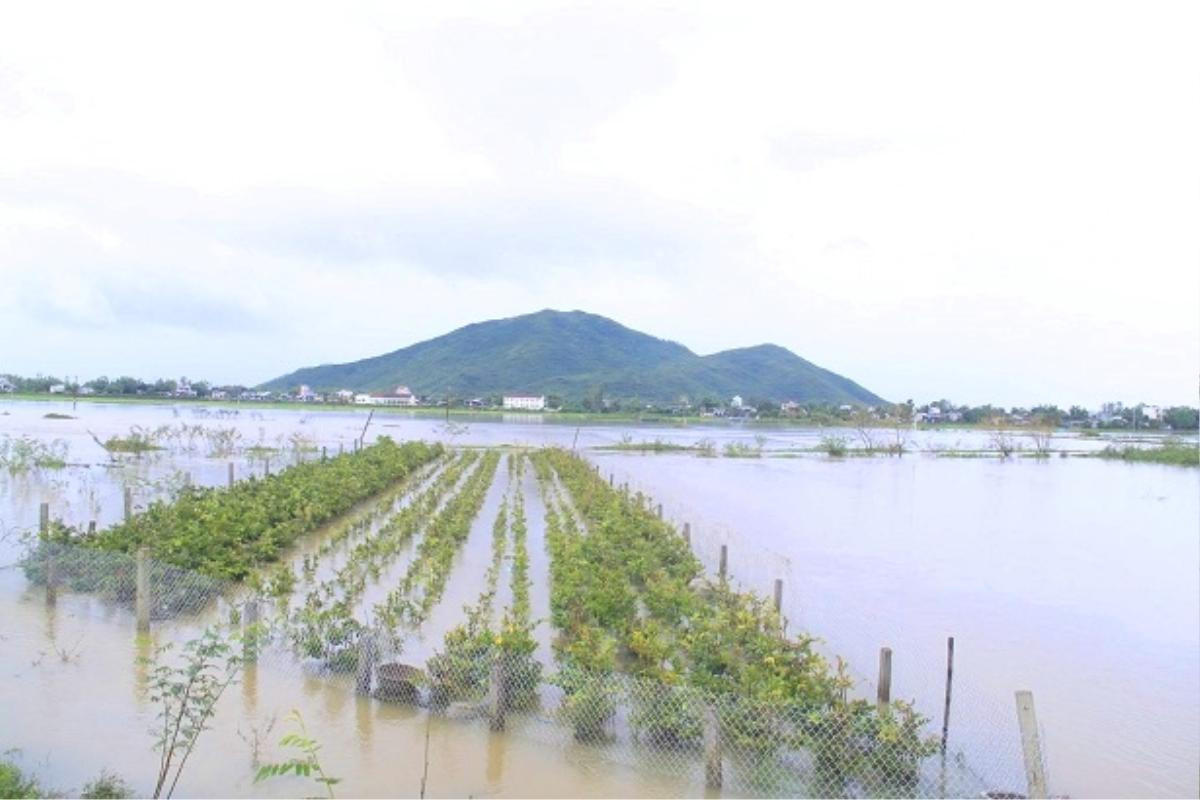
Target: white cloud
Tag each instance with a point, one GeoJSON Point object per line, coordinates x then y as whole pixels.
{"type": "Point", "coordinates": [986, 203]}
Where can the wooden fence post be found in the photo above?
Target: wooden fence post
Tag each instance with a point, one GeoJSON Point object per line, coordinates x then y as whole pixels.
{"type": "Point", "coordinates": [128, 503]}
{"type": "Point", "coordinates": [366, 662]}
{"type": "Point", "coordinates": [324, 455]}
{"type": "Point", "coordinates": [266, 466]}
{"type": "Point", "coordinates": [142, 588]}
{"type": "Point", "coordinates": [250, 631]}
{"type": "Point", "coordinates": [778, 595]}
{"type": "Point", "coordinates": [92, 527]}
{"type": "Point", "coordinates": [497, 693]}
{"type": "Point", "coordinates": [1031, 746]}
{"type": "Point", "coordinates": [51, 554]}
{"type": "Point", "coordinates": [687, 534]}
{"type": "Point", "coordinates": [884, 695]}
{"type": "Point", "coordinates": [230, 474]}
{"type": "Point", "coordinates": [610, 479]}
{"type": "Point", "coordinates": [659, 511]}
{"type": "Point", "coordinates": [723, 566]}
{"type": "Point", "coordinates": [949, 683]}
{"type": "Point", "coordinates": [712, 749]}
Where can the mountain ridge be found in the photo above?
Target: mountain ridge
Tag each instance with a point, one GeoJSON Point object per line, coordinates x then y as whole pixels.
{"type": "Point", "coordinates": [576, 354]}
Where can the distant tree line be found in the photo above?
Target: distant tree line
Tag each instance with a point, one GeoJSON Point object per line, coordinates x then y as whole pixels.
{"type": "Point", "coordinates": [125, 385]}
{"type": "Point", "coordinates": [1113, 415]}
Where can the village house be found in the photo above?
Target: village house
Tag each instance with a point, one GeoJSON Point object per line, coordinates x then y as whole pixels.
{"type": "Point", "coordinates": [58, 388]}
{"type": "Point", "coordinates": [402, 396]}
{"type": "Point", "coordinates": [344, 396]}
{"type": "Point", "coordinates": [6, 385]}
{"type": "Point", "coordinates": [525, 402]}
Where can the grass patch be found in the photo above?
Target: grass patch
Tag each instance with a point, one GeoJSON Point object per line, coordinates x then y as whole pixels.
{"type": "Point", "coordinates": [656, 446]}
{"type": "Point", "coordinates": [129, 444]}
{"type": "Point", "coordinates": [23, 453]}
{"type": "Point", "coordinates": [741, 450]}
{"type": "Point", "coordinates": [1172, 451]}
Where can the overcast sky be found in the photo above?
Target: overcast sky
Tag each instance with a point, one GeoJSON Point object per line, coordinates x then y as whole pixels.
{"type": "Point", "coordinates": [988, 203]}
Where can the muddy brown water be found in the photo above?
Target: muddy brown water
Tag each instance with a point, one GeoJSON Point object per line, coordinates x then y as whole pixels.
{"type": "Point", "coordinates": [1075, 578]}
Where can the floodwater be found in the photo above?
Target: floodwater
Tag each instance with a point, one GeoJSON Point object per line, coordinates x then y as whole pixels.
{"type": "Point", "coordinates": [1078, 579]}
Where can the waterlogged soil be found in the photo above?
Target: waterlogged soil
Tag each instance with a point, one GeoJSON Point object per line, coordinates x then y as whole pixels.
{"type": "Point", "coordinates": [1078, 579]}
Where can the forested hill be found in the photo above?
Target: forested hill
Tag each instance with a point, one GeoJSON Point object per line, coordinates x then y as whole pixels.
{"type": "Point", "coordinates": [574, 354]}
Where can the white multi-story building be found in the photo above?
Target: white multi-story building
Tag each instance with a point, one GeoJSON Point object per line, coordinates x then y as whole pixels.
{"type": "Point", "coordinates": [525, 402]}
{"type": "Point", "coordinates": [400, 397]}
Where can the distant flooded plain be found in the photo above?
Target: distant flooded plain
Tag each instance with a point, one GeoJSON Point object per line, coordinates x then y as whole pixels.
{"type": "Point", "coordinates": [1076, 578]}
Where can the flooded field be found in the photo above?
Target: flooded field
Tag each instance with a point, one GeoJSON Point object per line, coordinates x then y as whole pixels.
{"type": "Point", "coordinates": [1074, 578]}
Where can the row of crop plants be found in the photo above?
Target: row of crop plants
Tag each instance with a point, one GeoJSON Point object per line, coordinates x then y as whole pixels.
{"type": "Point", "coordinates": [325, 626]}
{"type": "Point", "coordinates": [629, 600]}
{"type": "Point", "coordinates": [204, 537]}
{"type": "Point", "coordinates": [473, 650]}
{"type": "Point", "coordinates": [421, 587]}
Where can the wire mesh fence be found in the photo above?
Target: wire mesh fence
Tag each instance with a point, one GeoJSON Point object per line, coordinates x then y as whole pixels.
{"type": "Point", "coordinates": [639, 678]}
{"type": "Point", "coordinates": [691, 738]}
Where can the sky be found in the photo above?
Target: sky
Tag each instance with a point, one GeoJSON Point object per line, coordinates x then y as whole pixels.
{"type": "Point", "coordinates": [985, 202]}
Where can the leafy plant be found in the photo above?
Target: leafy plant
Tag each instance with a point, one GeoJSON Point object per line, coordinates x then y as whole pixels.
{"type": "Point", "coordinates": [187, 695]}
{"type": "Point", "coordinates": [15, 784]}
{"type": "Point", "coordinates": [227, 532]}
{"type": "Point", "coordinates": [107, 786]}
{"type": "Point", "coordinates": [835, 446]}
{"type": "Point", "coordinates": [305, 763]}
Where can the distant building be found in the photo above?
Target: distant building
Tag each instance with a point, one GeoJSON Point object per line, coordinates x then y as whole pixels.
{"type": "Point", "coordinates": [6, 385]}
{"type": "Point", "coordinates": [58, 388]}
{"type": "Point", "coordinates": [401, 396]}
{"type": "Point", "coordinates": [218, 394]}
{"type": "Point", "coordinates": [525, 402]}
{"type": "Point", "coordinates": [306, 394]}
{"type": "Point", "coordinates": [184, 389]}
{"type": "Point", "coordinates": [790, 408]}
{"type": "Point", "coordinates": [736, 402]}
{"type": "Point", "coordinates": [86, 391]}
{"type": "Point", "coordinates": [344, 396]}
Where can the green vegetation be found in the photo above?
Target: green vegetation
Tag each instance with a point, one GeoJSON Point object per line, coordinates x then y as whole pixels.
{"type": "Point", "coordinates": [21, 454]}
{"type": "Point", "coordinates": [304, 763]}
{"type": "Point", "coordinates": [628, 597]}
{"type": "Point", "coordinates": [107, 786]}
{"type": "Point", "coordinates": [835, 446]}
{"type": "Point", "coordinates": [582, 357]}
{"type": "Point", "coordinates": [186, 695]}
{"type": "Point", "coordinates": [742, 450]}
{"type": "Point", "coordinates": [656, 446]}
{"type": "Point", "coordinates": [14, 783]}
{"type": "Point", "coordinates": [227, 533]}
{"type": "Point", "coordinates": [135, 442]}
{"type": "Point", "coordinates": [425, 579]}
{"type": "Point", "coordinates": [1171, 451]}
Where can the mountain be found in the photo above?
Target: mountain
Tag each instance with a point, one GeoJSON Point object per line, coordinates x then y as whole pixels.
{"type": "Point", "coordinates": [574, 355]}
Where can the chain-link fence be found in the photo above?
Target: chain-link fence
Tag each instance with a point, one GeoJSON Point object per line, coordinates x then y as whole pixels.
{"type": "Point", "coordinates": [760, 714]}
